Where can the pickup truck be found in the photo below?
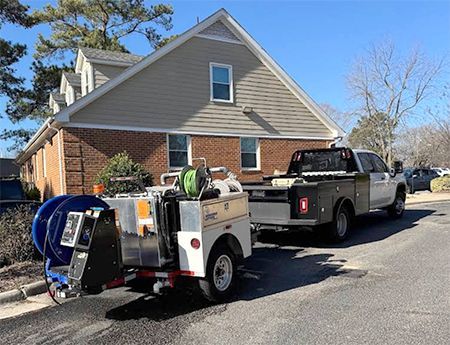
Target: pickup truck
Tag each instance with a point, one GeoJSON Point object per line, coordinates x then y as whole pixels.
{"type": "Point", "coordinates": [326, 188]}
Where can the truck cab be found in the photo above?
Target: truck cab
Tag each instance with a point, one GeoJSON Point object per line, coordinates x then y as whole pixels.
{"type": "Point", "coordinates": [384, 181]}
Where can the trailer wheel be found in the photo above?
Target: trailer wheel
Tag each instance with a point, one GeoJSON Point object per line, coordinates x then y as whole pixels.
{"type": "Point", "coordinates": [219, 283]}
{"type": "Point", "coordinates": [398, 206]}
{"type": "Point", "coordinates": [339, 228]}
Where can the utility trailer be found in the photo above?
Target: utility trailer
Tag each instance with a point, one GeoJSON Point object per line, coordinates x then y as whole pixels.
{"type": "Point", "coordinates": [197, 227]}
{"type": "Point", "coordinates": [326, 187]}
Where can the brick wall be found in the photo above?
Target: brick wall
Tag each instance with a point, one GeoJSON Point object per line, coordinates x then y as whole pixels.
{"type": "Point", "coordinates": [275, 154]}
{"type": "Point", "coordinates": [44, 173]}
{"type": "Point", "coordinates": [86, 151]}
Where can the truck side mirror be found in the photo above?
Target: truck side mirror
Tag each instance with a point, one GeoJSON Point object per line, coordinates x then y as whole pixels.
{"type": "Point", "coordinates": [398, 167]}
{"type": "Point", "coordinates": [392, 172]}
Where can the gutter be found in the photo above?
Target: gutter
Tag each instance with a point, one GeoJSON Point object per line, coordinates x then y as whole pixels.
{"type": "Point", "coordinates": [37, 139]}
{"type": "Point", "coordinates": [335, 141]}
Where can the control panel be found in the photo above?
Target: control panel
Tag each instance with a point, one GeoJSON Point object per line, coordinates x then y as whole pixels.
{"type": "Point", "coordinates": [79, 227]}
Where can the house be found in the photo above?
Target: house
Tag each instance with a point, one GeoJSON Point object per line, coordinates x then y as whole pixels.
{"type": "Point", "coordinates": [212, 92]}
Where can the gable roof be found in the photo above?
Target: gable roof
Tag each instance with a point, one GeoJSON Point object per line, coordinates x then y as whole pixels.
{"type": "Point", "coordinates": [73, 79]}
{"type": "Point", "coordinates": [198, 30]}
{"type": "Point", "coordinates": [58, 97]}
{"type": "Point", "coordinates": [243, 36]}
{"type": "Point", "coordinates": [106, 56]}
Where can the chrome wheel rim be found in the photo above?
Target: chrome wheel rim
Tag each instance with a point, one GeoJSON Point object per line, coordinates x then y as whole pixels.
{"type": "Point", "coordinates": [342, 224]}
{"type": "Point", "coordinates": [399, 205]}
{"type": "Point", "coordinates": [223, 273]}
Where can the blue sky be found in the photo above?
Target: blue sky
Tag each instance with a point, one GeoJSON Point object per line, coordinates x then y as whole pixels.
{"type": "Point", "coordinates": [314, 41]}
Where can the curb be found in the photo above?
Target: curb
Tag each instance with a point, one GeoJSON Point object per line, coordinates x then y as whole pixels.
{"type": "Point", "coordinates": [427, 202]}
{"type": "Point", "coordinates": [23, 292]}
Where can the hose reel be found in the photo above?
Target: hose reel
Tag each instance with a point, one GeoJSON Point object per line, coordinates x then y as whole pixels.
{"type": "Point", "coordinates": [194, 180]}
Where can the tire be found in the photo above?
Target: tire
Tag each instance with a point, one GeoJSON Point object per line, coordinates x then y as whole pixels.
{"type": "Point", "coordinates": [220, 281]}
{"type": "Point", "coordinates": [339, 228]}
{"type": "Point", "coordinates": [397, 208]}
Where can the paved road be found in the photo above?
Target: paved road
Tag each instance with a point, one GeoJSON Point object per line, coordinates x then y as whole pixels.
{"type": "Point", "coordinates": [389, 284]}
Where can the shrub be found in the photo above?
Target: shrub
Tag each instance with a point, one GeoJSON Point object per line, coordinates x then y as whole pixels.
{"type": "Point", "coordinates": [33, 193]}
{"type": "Point", "coordinates": [16, 243]}
{"type": "Point", "coordinates": [121, 165]}
{"type": "Point", "coordinates": [441, 184]}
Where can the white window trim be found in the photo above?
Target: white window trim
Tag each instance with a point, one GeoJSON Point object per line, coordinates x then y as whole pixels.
{"type": "Point", "coordinates": [91, 78]}
{"type": "Point", "coordinates": [44, 162]}
{"type": "Point", "coordinates": [189, 150]}
{"type": "Point", "coordinates": [258, 155]}
{"type": "Point", "coordinates": [230, 76]}
{"type": "Point", "coordinates": [36, 165]}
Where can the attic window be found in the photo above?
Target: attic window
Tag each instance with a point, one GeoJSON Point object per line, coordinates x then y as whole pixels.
{"type": "Point", "coordinates": [221, 82]}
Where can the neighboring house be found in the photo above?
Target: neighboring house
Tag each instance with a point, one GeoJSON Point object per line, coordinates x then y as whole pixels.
{"type": "Point", "coordinates": [213, 92]}
{"type": "Point", "coordinates": [9, 168]}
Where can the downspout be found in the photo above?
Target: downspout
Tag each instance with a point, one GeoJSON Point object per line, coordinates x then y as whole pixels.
{"type": "Point", "coordinates": [61, 181]}
{"type": "Point", "coordinates": [335, 141]}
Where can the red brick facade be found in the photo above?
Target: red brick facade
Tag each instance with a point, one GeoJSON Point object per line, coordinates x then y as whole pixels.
{"type": "Point", "coordinates": [86, 151]}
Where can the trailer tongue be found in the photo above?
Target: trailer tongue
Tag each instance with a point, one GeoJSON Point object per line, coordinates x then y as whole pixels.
{"type": "Point", "coordinates": [196, 227]}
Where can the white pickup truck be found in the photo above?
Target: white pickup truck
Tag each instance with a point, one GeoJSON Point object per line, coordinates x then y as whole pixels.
{"type": "Point", "coordinates": [326, 187]}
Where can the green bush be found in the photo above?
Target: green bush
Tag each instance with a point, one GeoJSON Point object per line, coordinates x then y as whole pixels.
{"type": "Point", "coordinates": [121, 165]}
{"type": "Point", "coordinates": [33, 193]}
{"type": "Point", "coordinates": [441, 184]}
{"type": "Point", "coordinates": [16, 243]}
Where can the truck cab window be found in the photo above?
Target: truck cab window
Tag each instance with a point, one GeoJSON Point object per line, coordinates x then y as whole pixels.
{"type": "Point", "coordinates": [366, 162]}
{"type": "Point", "coordinates": [378, 164]}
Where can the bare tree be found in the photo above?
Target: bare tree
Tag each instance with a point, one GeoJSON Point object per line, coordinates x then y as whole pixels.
{"type": "Point", "coordinates": [342, 118]}
{"type": "Point", "coordinates": [382, 82]}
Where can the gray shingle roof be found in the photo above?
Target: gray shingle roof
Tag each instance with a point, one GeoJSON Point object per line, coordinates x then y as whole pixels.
{"type": "Point", "coordinates": [59, 98]}
{"type": "Point", "coordinates": [74, 79]}
{"type": "Point", "coordinates": [110, 56]}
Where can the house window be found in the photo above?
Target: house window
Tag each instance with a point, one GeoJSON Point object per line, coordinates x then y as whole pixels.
{"type": "Point", "coordinates": [179, 150]}
{"type": "Point", "coordinates": [249, 153]}
{"type": "Point", "coordinates": [221, 78]}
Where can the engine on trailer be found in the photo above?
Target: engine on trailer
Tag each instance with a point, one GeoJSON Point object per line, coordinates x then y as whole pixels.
{"type": "Point", "coordinates": [155, 232]}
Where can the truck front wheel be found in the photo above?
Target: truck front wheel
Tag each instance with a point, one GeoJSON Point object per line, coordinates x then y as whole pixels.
{"type": "Point", "coordinates": [398, 206]}
{"type": "Point", "coordinates": [339, 229]}
{"type": "Point", "coordinates": [220, 280]}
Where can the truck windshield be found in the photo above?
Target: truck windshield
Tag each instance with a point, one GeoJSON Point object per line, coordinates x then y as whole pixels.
{"type": "Point", "coordinates": [321, 161]}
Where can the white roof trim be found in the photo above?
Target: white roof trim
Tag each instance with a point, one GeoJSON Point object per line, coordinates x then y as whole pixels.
{"type": "Point", "coordinates": [234, 26]}
{"type": "Point", "coordinates": [177, 131]}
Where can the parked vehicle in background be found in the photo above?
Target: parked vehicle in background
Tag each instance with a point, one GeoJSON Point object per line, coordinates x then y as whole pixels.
{"type": "Point", "coordinates": [12, 194]}
{"type": "Point", "coordinates": [442, 171]}
{"type": "Point", "coordinates": [419, 179]}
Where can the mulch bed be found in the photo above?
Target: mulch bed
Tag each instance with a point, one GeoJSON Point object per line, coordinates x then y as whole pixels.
{"type": "Point", "coordinates": [15, 275]}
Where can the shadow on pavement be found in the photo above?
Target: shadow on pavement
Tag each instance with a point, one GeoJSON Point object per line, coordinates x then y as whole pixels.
{"type": "Point", "coordinates": [371, 227]}
{"type": "Point", "coordinates": [268, 271]}
{"type": "Point", "coordinates": [277, 265]}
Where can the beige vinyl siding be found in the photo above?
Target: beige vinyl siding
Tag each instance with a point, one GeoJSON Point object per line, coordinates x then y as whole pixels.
{"type": "Point", "coordinates": [174, 93]}
{"type": "Point", "coordinates": [103, 73]}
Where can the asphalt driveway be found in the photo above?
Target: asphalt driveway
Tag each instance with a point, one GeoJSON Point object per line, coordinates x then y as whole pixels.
{"type": "Point", "coordinates": [388, 284]}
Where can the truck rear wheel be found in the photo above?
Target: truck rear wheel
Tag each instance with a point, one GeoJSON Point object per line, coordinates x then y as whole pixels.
{"type": "Point", "coordinates": [220, 280]}
{"type": "Point", "coordinates": [398, 206]}
{"type": "Point", "coordinates": [339, 228]}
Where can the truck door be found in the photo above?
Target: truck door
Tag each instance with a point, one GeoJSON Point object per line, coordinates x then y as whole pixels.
{"type": "Point", "coordinates": [375, 190]}
{"type": "Point", "coordinates": [376, 180]}
{"type": "Point", "coordinates": [386, 185]}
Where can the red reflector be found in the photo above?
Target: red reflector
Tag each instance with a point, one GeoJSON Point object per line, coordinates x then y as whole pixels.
{"type": "Point", "coordinates": [195, 243]}
{"type": "Point", "coordinates": [303, 205]}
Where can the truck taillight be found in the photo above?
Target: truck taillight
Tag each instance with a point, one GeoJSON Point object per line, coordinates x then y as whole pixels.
{"type": "Point", "coordinates": [195, 243]}
{"type": "Point", "coordinates": [303, 205]}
